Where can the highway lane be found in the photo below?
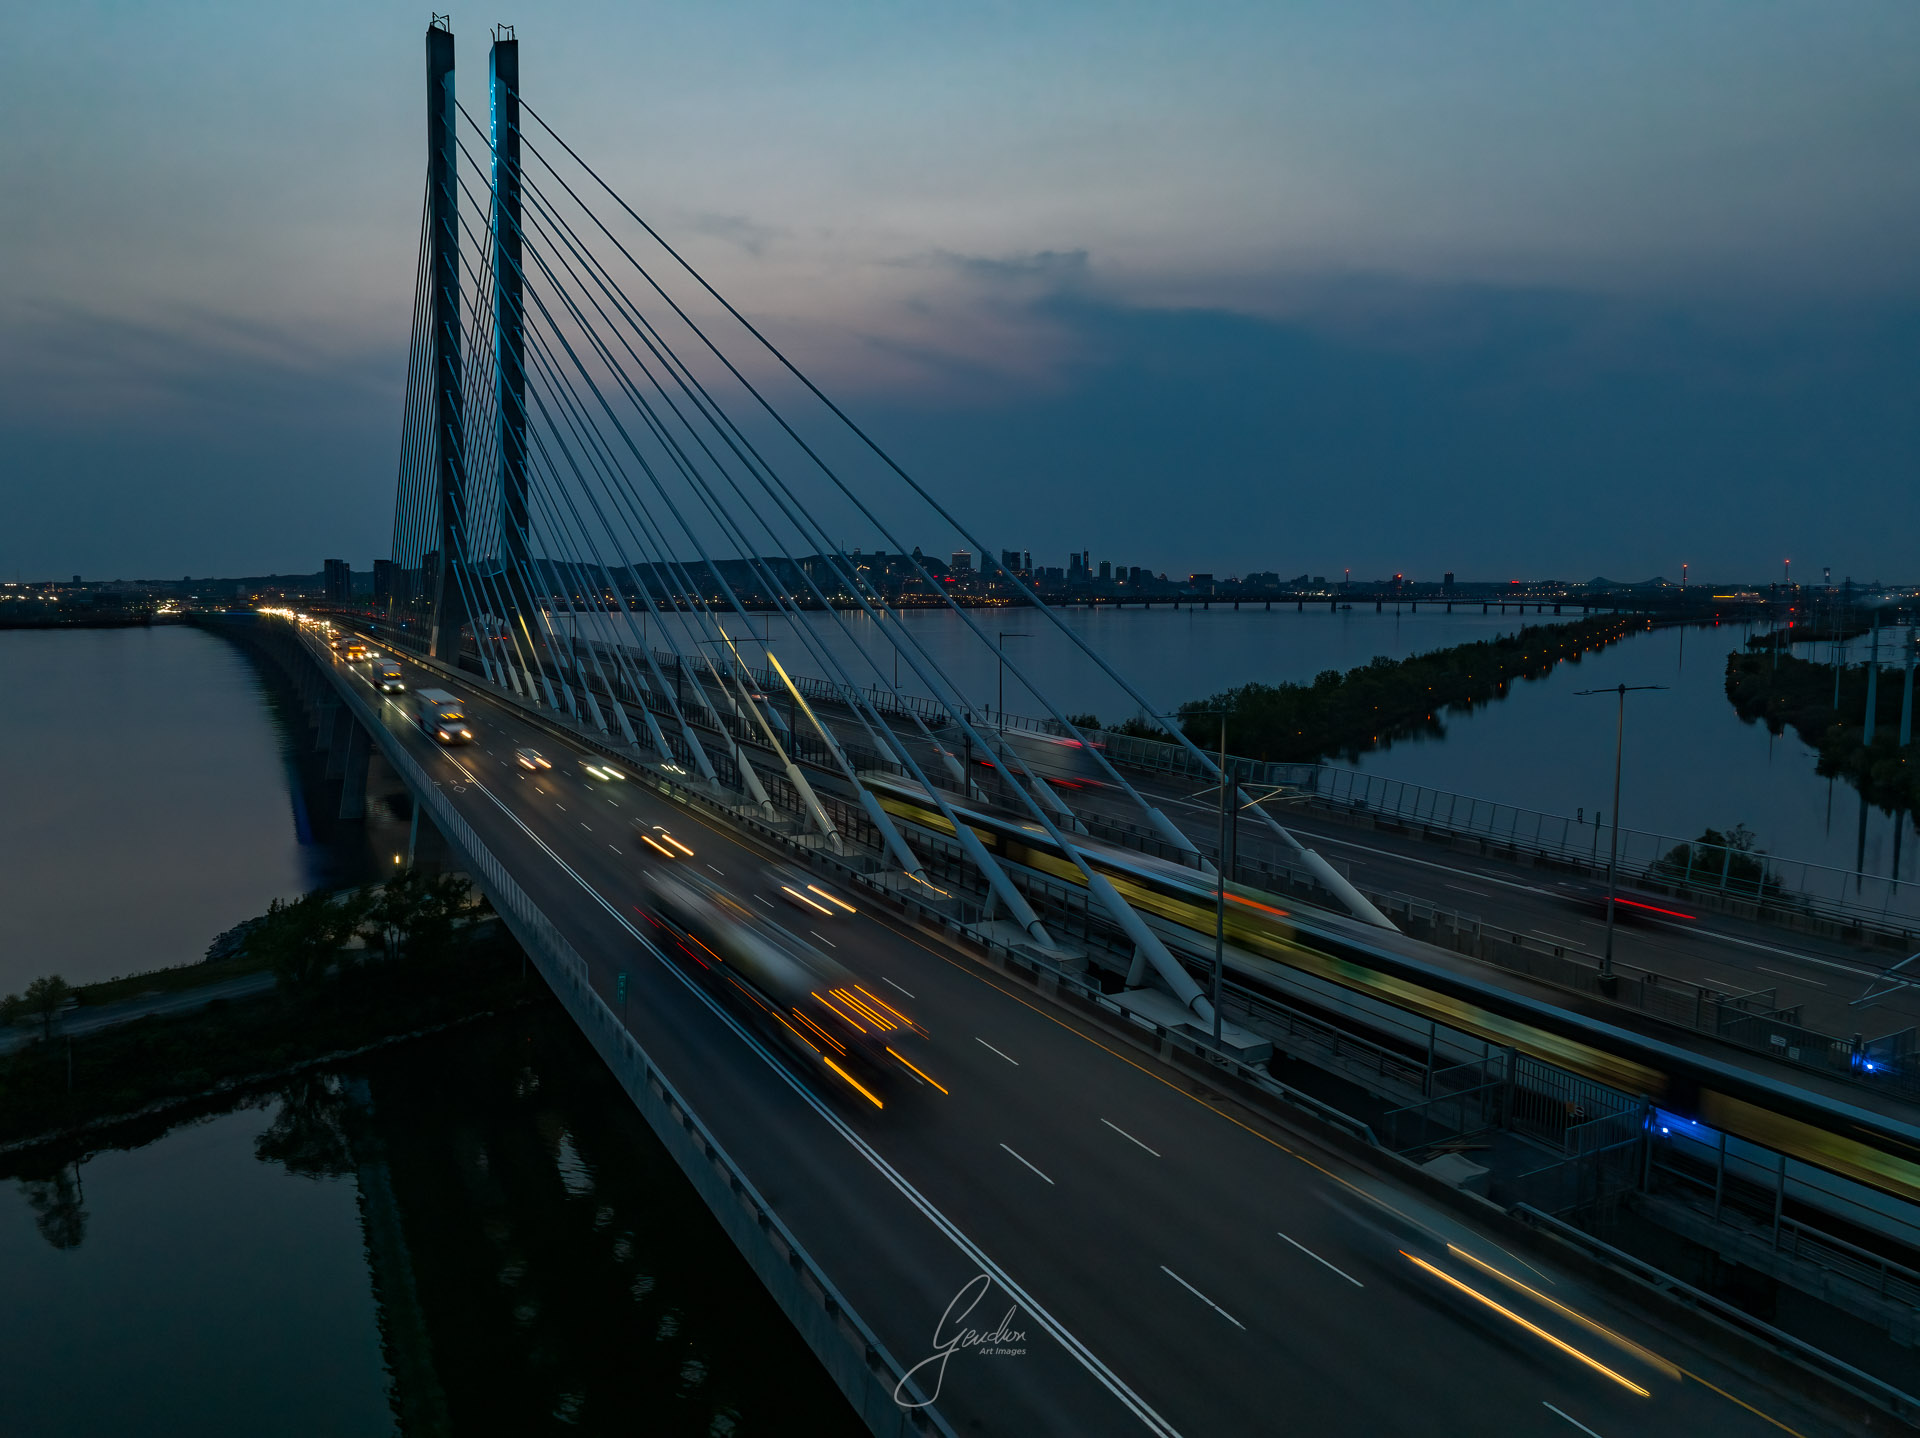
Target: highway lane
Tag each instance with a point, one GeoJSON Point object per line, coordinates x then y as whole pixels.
{"type": "Point", "coordinates": [1081, 1168]}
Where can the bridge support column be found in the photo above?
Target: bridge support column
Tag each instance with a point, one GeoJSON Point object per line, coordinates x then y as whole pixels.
{"type": "Point", "coordinates": [339, 734]}
{"type": "Point", "coordinates": [353, 773]}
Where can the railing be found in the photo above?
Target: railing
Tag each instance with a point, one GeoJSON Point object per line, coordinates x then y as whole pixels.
{"type": "Point", "coordinates": [1902, 1404]}
{"type": "Point", "coordinates": [861, 1364]}
{"type": "Point", "coordinates": [1664, 862]}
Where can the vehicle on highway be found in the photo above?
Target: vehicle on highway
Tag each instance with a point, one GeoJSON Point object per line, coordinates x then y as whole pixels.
{"type": "Point", "coordinates": [355, 651]}
{"type": "Point", "coordinates": [807, 894]}
{"type": "Point", "coordinates": [390, 679]}
{"type": "Point", "coordinates": [815, 1006]}
{"type": "Point", "coordinates": [442, 715]}
{"type": "Point", "coordinates": [657, 838]}
{"type": "Point", "coordinates": [1879, 1152]}
{"type": "Point", "coordinates": [531, 759]}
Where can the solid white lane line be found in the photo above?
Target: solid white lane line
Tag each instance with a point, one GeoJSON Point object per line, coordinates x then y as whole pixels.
{"type": "Point", "coordinates": [885, 980]}
{"type": "Point", "coordinates": [1028, 1164]}
{"type": "Point", "coordinates": [1574, 1421]}
{"type": "Point", "coordinates": [985, 1045]}
{"type": "Point", "coordinates": [1127, 1136]}
{"type": "Point", "coordinates": [1105, 1376]}
{"type": "Point", "coordinates": [1321, 1261]}
{"type": "Point", "coordinates": [1203, 1298]}
{"type": "Point", "coordinates": [823, 938]}
{"type": "Point", "coordinates": [1781, 974]}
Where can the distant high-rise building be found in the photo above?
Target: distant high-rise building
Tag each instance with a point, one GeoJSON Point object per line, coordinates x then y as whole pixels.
{"type": "Point", "coordinates": [339, 581]}
{"type": "Point", "coordinates": [1106, 569]}
{"type": "Point", "coordinates": [962, 560]}
{"type": "Point", "coordinates": [1076, 568]}
{"type": "Point", "coordinates": [1010, 559]}
{"type": "Point", "coordinates": [1134, 574]}
{"type": "Point", "coordinates": [1447, 583]}
{"type": "Point", "coordinates": [1026, 561]}
{"type": "Point", "coordinates": [383, 588]}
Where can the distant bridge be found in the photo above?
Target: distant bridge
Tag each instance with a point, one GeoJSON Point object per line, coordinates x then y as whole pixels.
{"type": "Point", "coordinates": [1098, 1143]}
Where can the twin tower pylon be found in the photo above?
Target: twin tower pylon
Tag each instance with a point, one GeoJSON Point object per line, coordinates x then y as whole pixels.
{"type": "Point", "coordinates": [446, 586]}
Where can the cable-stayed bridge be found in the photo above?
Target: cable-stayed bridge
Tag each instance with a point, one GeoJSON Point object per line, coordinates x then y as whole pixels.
{"type": "Point", "coordinates": [713, 739]}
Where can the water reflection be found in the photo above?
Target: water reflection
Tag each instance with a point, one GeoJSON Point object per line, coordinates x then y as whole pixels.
{"type": "Point", "coordinates": [474, 1233]}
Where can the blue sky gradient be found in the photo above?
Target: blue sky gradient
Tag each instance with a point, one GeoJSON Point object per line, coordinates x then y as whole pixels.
{"type": "Point", "coordinates": [1500, 288]}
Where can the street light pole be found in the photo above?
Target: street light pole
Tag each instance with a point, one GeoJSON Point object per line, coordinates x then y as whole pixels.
{"type": "Point", "coordinates": [1220, 885]}
{"type": "Point", "coordinates": [1613, 848]}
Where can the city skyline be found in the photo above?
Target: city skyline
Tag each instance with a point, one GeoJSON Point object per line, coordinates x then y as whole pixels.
{"type": "Point", "coordinates": [1648, 291]}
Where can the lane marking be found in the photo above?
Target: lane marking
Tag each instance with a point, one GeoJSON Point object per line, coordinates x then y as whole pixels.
{"type": "Point", "coordinates": [558, 805]}
{"type": "Point", "coordinates": [985, 1045]}
{"type": "Point", "coordinates": [718, 870]}
{"type": "Point", "coordinates": [614, 847]}
{"type": "Point", "coordinates": [1203, 1298]}
{"type": "Point", "coordinates": [1029, 1165]}
{"type": "Point", "coordinates": [585, 825]}
{"type": "Point", "coordinates": [885, 980]}
{"type": "Point", "coordinates": [1557, 938]}
{"type": "Point", "coordinates": [1780, 974]}
{"type": "Point", "coordinates": [1321, 1261]}
{"type": "Point", "coordinates": [1574, 1421]}
{"type": "Point", "coordinates": [823, 938]}
{"type": "Point", "coordinates": [1105, 1376]}
{"type": "Point", "coordinates": [1127, 1136]}
{"type": "Point", "coordinates": [768, 902]}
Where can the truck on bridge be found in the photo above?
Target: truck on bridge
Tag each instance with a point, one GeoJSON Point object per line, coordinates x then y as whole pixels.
{"type": "Point", "coordinates": [442, 715]}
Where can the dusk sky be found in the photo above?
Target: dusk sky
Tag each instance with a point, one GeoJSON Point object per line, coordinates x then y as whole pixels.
{"type": "Point", "coordinates": [1502, 289]}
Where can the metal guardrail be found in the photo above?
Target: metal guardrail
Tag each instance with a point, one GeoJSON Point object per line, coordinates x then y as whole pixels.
{"type": "Point", "coordinates": [1764, 880]}
{"type": "Point", "coordinates": [568, 974]}
{"type": "Point", "coordinates": [1602, 1149]}
{"type": "Point", "coordinates": [1901, 1404]}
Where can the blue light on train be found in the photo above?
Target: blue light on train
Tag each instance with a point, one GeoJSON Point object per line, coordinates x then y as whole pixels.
{"type": "Point", "coordinates": [1672, 1125]}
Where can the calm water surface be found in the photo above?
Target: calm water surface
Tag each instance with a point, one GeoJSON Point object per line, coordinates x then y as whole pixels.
{"type": "Point", "coordinates": [200, 1291]}
{"type": "Point", "coordinates": [148, 804]}
{"type": "Point", "coordinates": [1690, 763]}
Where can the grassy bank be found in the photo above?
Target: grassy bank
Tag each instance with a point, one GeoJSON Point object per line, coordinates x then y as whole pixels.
{"type": "Point", "coordinates": [1784, 692]}
{"type": "Point", "coordinates": [330, 998]}
{"type": "Point", "coordinates": [1390, 698]}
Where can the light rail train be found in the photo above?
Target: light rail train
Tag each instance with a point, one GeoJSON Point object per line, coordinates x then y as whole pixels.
{"type": "Point", "coordinates": [1868, 1148]}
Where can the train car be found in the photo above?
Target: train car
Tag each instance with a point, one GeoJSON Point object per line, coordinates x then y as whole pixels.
{"type": "Point", "coordinates": [1868, 1148]}
{"type": "Point", "coordinates": [814, 1005]}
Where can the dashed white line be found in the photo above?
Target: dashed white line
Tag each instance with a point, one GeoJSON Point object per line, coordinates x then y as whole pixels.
{"type": "Point", "coordinates": [585, 825]}
{"type": "Point", "coordinates": [823, 938]}
{"type": "Point", "coordinates": [561, 807]}
{"type": "Point", "coordinates": [885, 980]}
{"type": "Point", "coordinates": [1782, 974]}
{"type": "Point", "coordinates": [614, 847]}
{"type": "Point", "coordinates": [1574, 1421]}
{"type": "Point", "coordinates": [1321, 1261]}
{"type": "Point", "coordinates": [718, 870]}
{"type": "Point", "coordinates": [985, 1045]}
{"type": "Point", "coordinates": [763, 899]}
{"type": "Point", "coordinates": [1128, 1137]}
{"type": "Point", "coordinates": [1203, 1298]}
{"type": "Point", "coordinates": [1028, 1165]}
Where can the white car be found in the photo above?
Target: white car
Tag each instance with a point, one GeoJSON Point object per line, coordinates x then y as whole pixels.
{"type": "Point", "coordinates": [531, 759]}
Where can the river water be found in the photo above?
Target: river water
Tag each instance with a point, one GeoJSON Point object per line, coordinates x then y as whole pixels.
{"type": "Point", "coordinates": [206, 1279]}
{"type": "Point", "coordinates": [1689, 762]}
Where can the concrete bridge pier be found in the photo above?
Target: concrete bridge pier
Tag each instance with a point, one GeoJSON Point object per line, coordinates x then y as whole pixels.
{"type": "Point", "coordinates": [339, 734]}
{"type": "Point", "coordinates": [353, 772]}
